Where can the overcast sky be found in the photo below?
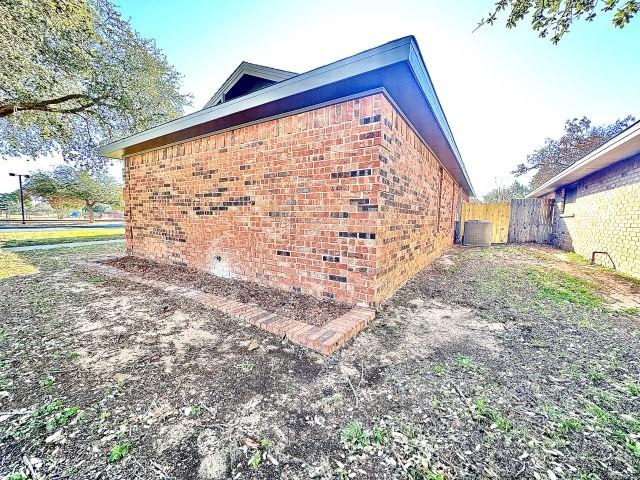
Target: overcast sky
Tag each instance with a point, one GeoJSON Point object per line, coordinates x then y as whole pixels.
{"type": "Point", "coordinates": [503, 91]}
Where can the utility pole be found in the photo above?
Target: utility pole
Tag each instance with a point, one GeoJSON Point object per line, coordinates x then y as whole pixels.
{"type": "Point", "coordinates": [21, 194]}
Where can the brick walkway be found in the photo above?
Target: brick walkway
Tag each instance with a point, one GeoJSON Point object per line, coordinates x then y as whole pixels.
{"type": "Point", "coordinates": [326, 339]}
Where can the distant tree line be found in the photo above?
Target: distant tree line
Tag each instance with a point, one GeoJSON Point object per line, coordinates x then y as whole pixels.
{"type": "Point", "coordinates": [66, 188]}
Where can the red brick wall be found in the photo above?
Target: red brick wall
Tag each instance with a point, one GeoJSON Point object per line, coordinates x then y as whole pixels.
{"type": "Point", "coordinates": [296, 203]}
{"type": "Point", "coordinates": [418, 205]}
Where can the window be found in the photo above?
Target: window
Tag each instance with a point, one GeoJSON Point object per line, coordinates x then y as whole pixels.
{"type": "Point", "coordinates": [570, 195]}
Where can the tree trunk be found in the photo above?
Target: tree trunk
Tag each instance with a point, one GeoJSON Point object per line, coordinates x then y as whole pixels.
{"type": "Point", "coordinates": [90, 210]}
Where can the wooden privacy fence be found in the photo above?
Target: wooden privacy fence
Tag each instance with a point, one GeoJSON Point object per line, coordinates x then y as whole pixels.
{"type": "Point", "coordinates": [531, 220]}
{"type": "Point", "coordinates": [518, 221]}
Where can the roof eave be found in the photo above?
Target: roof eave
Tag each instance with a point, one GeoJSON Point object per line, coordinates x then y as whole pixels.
{"type": "Point", "coordinates": [362, 71]}
{"type": "Point", "coordinates": [392, 52]}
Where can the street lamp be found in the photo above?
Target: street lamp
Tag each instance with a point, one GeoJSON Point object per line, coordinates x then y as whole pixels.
{"type": "Point", "coordinates": [21, 195]}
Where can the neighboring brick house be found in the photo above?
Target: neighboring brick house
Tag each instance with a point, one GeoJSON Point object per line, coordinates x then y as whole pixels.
{"type": "Point", "coordinates": [597, 202]}
{"type": "Point", "coordinates": [341, 182]}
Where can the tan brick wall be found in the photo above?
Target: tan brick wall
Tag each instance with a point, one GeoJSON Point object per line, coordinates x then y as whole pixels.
{"type": "Point", "coordinates": [295, 203]}
{"type": "Point", "coordinates": [605, 217]}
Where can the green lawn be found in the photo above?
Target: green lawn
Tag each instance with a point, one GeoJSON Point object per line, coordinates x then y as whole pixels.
{"type": "Point", "coordinates": [44, 237]}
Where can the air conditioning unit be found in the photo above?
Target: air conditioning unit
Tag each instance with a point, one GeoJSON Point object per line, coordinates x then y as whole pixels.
{"type": "Point", "coordinates": [477, 233]}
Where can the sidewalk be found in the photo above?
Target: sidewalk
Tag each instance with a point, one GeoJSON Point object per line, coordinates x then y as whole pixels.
{"type": "Point", "coordinates": [59, 245]}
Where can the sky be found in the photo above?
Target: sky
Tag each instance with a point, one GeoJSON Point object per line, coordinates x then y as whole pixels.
{"type": "Point", "coordinates": [503, 91]}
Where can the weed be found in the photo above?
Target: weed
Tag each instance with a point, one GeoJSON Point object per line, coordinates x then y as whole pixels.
{"type": "Point", "coordinates": [570, 425]}
{"type": "Point", "coordinates": [630, 443]}
{"type": "Point", "coordinates": [574, 373]}
{"type": "Point", "coordinates": [632, 388]}
{"type": "Point", "coordinates": [483, 412]}
{"type": "Point", "coordinates": [254, 461]}
{"type": "Point", "coordinates": [6, 384]}
{"type": "Point", "coordinates": [560, 287]}
{"type": "Point", "coordinates": [502, 423]}
{"type": "Point", "coordinates": [195, 411]}
{"type": "Point", "coordinates": [46, 382]}
{"type": "Point", "coordinates": [464, 361]}
{"type": "Point", "coordinates": [549, 410]}
{"type": "Point", "coordinates": [50, 416]}
{"type": "Point", "coordinates": [438, 369]}
{"type": "Point", "coordinates": [95, 279]}
{"type": "Point", "coordinates": [380, 435]}
{"type": "Point", "coordinates": [601, 397]}
{"type": "Point", "coordinates": [17, 476]}
{"type": "Point", "coordinates": [332, 403]}
{"type": "Point", "coordinates": [50, 407]}
{"type": "Point", "coordinates": [408, 430]}
{"type": "Point", "coordinates": [596, 374]}
{"type": "Point", "coordinates": [480, 407]}
{"type": "Point", "coordinates": [60, 419]}
{"type": "Point", "coordinates": [628, 312]}
{"type": "Point", "coordinates": [586, 323]}
{"type": "Point", "coordinates": [598, 413]}
{"type": "Point", "coordinates": [119, 451]}
{"type": "Point", "coordinates": [120, 386]}
{"type": "Point", "coordinates": [354, 436]}
{"type": "Point", "coordinates": [419, 473]}
{"type": "Point", "coordinates": [246, 366]}
{"type": "Point", "coordinates": [265, 444]}
{"type": "Point", "coordinates": [72, 355]}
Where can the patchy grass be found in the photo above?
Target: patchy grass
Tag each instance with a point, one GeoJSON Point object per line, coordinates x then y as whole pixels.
{"type": "Point", "coordinates": [12, 264]}
{"type": "Point", "coordinates": [354, 436]}
{"type": "Point", "coordinates": [484, 413]}
{"type": "Point", "coordinates": [558, 286]}
{"type": "Point", "coordinates": [577, 259]}
{"type": "Point", "coordinates": [47, 237]}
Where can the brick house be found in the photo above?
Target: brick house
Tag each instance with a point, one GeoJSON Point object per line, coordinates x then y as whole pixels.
{"type": "Point", "coordinates": [597, 202]}
{"type": "Point", "coordinates": [341, 182]}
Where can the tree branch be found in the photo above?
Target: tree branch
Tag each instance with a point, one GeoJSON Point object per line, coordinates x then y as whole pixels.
{"type": "Point", "coordinates": [47, 105]}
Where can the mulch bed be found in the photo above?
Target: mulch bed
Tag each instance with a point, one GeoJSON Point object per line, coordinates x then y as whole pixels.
{"type": "Point", "coordinates": [295, 306]}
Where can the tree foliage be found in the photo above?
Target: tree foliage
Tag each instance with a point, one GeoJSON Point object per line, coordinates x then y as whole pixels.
{"type": "Point", "coordinates": [69, 187]}
{"type": "Point", "coordinates": [10, 202]}
{"type": "Point", "coordinates": [579, 138]}
{"type": "Point", "coordinates": [554, 17]}
{"type": "Point", "coordinates": [505, 194]}
{"type": "Point", "coordinates": [73, 74]}
{"type": "Point", "coordinates": [51, 188]}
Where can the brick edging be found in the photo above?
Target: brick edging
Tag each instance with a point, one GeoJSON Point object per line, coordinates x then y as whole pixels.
{"type": "Point", "coordinates": [325, 339]}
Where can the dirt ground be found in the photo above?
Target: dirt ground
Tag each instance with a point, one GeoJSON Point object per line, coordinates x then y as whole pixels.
{"type": "Point", "coordinates": [508, 362]}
